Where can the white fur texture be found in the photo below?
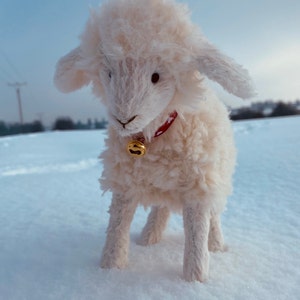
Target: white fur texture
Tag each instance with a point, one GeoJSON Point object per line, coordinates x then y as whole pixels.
{"type": "Point", "coordinates": [187, 169]}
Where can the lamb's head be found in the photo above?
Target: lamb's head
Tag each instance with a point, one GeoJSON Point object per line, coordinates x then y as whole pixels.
{"type": "Point", "coordinates": [136, 91]}
{"type": "Point", "coordinates": [140, 55]}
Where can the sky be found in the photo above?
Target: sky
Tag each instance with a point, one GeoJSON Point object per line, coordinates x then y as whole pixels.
{"type": "Point", "coordinates": [262, 35]}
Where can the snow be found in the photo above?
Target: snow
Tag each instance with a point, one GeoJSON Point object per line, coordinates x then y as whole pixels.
{"type": "Point", "coordinates": [53, 218]}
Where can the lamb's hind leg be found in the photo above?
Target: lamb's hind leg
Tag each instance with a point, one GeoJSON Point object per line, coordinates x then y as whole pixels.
{"type": "Point", "coordinates": [115, 252]}
{"type": "Point", "coordinates": [215, 237]}
{"type": "Point", "coordinates": [156, 223]}
{"type": "Point", "coordinates": [196, 228]}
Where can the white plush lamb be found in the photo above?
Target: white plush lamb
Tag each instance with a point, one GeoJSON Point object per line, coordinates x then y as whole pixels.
{"type": "Point", "coordinates": [170, 143]}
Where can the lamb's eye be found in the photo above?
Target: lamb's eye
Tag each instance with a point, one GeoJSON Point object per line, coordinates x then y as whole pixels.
{"type": "Point", "coordinates": [155, 78]}
{"type": "Point", "coordinates": [109, 75]}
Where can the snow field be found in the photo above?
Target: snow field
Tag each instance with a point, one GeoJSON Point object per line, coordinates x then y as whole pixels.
{"type": "Point", "coordinates": [53, 218]}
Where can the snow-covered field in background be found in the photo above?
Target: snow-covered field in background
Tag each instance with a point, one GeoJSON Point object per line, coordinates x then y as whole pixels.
{"type": "Point", "coordinates": [53, 218]}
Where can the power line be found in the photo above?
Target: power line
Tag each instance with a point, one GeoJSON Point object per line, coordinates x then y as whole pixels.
{"type": "Point", "coordinates": [6, 74]}
{"type": "Point", "coordinates": [2, 77]}
{"type": "Point", "coordinates": [12, 66]}
{"type": "Point", "coordinates": [17, 86]}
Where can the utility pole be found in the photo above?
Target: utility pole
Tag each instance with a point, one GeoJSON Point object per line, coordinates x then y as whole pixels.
{"type": "Point", "coordinates": [17, 86]}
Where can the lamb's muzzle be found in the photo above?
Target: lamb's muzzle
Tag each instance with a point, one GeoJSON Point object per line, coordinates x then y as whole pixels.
{"type": "Point", "coordinates": [126, 122]}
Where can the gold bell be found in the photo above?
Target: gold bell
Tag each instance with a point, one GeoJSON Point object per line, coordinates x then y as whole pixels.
{"type": "Point", "coordinates": [136, 148]}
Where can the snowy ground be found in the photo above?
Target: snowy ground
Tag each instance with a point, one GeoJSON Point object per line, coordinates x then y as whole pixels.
{"type": "Point", "coordinates": [53, 220]}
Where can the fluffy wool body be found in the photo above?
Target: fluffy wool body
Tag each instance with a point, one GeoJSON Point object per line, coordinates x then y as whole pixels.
{"type": "Point", "coordinates": [146, 60]}
{"type": "Point", "coordinates": [194, 159]}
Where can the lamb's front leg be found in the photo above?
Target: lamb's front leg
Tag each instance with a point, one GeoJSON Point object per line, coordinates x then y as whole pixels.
{"type": "Point", "coordinates": [115, 252]}
{"type": "Point", "coordinates": [196, 256]}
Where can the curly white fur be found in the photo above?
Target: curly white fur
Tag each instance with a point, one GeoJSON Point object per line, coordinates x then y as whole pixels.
{"type": "Point", "coordinates": [189, 167]}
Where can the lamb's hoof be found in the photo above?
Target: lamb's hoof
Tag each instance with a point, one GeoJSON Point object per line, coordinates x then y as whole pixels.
{"type": "Point", "coordinates": [196, 270]}
{"type": "Point", "coordinates": [108, 262]}
{"type": "Point", "coordinates": [217, 247]}
{"type": "Point", "coordinates": [147, 240]}
{"type": "Point", "coordinates": [196, 275]}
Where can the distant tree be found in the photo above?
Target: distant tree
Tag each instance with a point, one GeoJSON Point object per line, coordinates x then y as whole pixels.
{"type": "Point", "coordinates": [89, 124]}
{"type": "Point", "coordinates": [37, 126]}
{"type": "Point", "coordinates": [64, 123]}
{"type": "Point", "coordinates": [3, 129]}
{"type": "Point", "coordinates": [284, 109]}
{"type": "Point", "coordinates": [25, 128]}
{"type": "Point", "coordinates": [100, 124]}
{"type": "Point", "coordinates": [247, 113]}
{"type": "Point", "coordinates": [15, 128]}
{"type": "Point", "coordinates": [79, 125]}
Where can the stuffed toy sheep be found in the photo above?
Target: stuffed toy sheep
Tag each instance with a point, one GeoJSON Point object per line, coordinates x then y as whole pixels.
{"type": "Point", "coordinates": [170, 142]}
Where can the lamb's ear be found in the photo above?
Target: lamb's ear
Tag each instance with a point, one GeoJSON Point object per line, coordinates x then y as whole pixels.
{"type": "Point", "coordinates": [224, 70]}
{"type": "Point", "coordinates": [68, 76]}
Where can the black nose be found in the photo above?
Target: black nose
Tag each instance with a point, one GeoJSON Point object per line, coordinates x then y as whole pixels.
{"type": "Point", "coordinates": [127, 122]}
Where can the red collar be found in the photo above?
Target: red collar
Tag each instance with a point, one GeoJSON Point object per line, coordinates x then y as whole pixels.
{"type": "Point", "coordinates": [161, 130]}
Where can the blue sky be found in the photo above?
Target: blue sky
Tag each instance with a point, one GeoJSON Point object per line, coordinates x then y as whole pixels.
{"type": "Point", "coordinates": [262, 35]}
